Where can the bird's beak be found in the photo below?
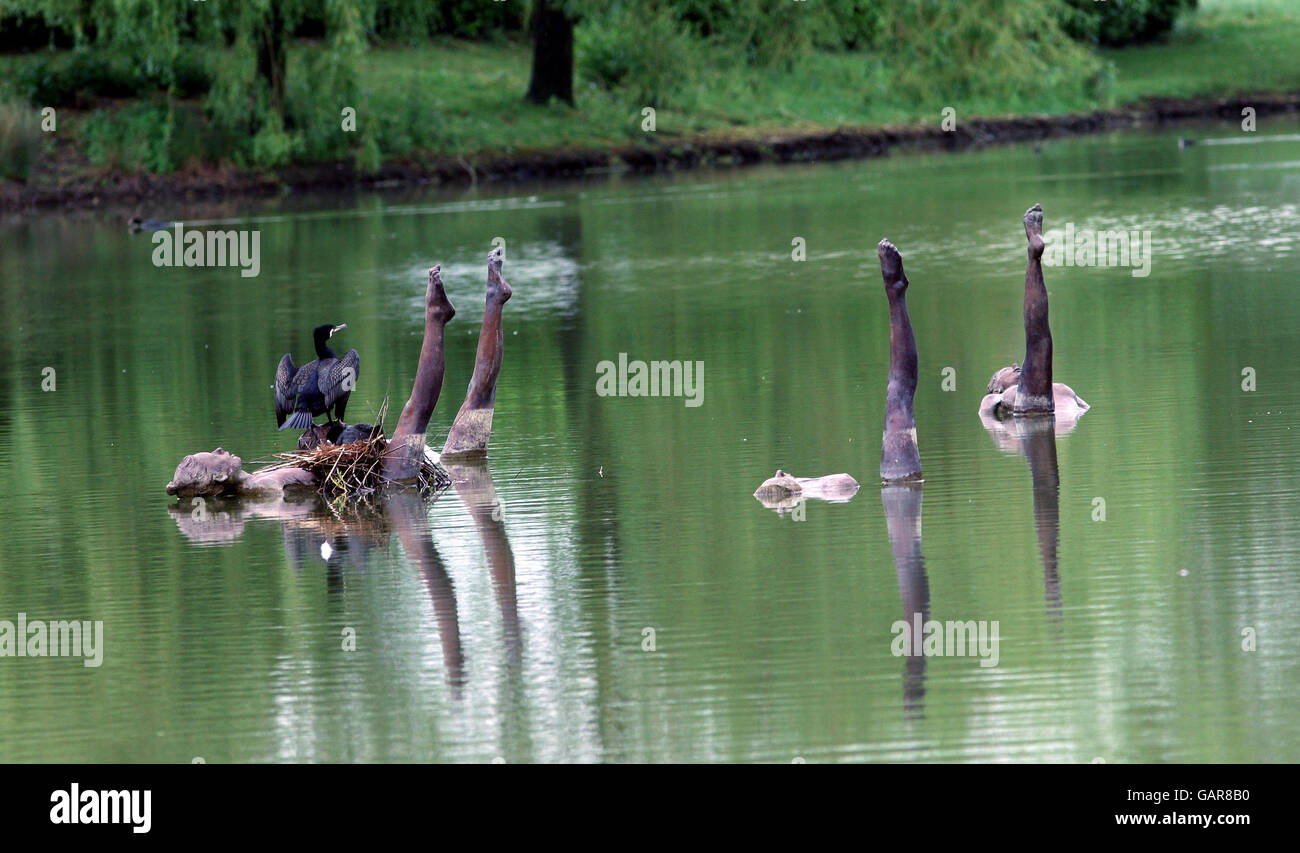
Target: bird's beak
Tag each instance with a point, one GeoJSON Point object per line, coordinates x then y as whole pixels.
{"type": "Point", "coordinates": [338, 329]}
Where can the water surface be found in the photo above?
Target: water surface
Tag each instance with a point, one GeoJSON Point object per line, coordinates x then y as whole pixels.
{"type": "Point", "coordinates": [506, 619]}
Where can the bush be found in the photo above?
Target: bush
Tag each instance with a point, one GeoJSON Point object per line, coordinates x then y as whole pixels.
{"type": "Point", "coordinates": [23, 31]}
{"type": "Point", "coordinates": [273, 147]}
{"type": "Point", "coordinates": [155, 136]}
{"type": "Point", "coordinates": [190, 77]}
{"type": "Point", "coordinates": [80, 77]}
{"type": "Point", "coordinates": [1120, 22]}
{"type": "Point", "coordinates": [776, 32]}
{"type": "Point", "coordinates": [414, 21]}
{"type": "Point", "coordinates": [853, 24]}
{"type": "Point", "coordinates": [20, 139]}
{"type": "Point", "coordinates": [77, 79]}
{"type": "Point", "coordinates": [320, 85]}
{"type": "Point", "coordinates": [646, 55]}
{"type": "Point", "coordinates": [1015, 53]}
{"type": "Point", "coordinates": [398, 126]}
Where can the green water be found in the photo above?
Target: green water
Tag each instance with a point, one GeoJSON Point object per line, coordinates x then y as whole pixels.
{"type": "Point", "coordinates": [506, 619]}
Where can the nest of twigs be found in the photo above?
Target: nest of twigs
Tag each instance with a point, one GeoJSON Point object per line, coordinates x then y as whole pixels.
{"type": "Point", "coordinates": [356, 469]}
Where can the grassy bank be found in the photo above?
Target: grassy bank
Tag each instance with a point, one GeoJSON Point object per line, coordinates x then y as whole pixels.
{"type": "Point", "coordinates": [1229, 47]}
{"type": "Point", "coordinates": [461, 100]}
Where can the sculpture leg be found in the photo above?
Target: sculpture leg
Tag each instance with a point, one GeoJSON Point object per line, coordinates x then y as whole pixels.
{"type": "Point", "coordinates": [473, 425]}
{"type": "Point", "coordinates": [900, 459]}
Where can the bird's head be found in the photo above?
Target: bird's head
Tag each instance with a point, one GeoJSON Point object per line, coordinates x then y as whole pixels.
{"type": "Point", "coordinates": [325, 332]}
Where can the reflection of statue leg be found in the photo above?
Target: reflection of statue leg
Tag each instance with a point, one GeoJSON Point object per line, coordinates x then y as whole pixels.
{"type": "Point", "coordinates": [899, 457]}
{"type": "Point", "coordinates": [1035, 391]}
{"type": "Point", "coordinates": [903, 519]}
{"type": "Point", "coordinates": [473, 425]}
{"type": "Point", "coordinates": [473, 483]}
{"type": "Point", "coordinates": [407, 513]}
{"type": "Point", "coordinates": [1038, 443]}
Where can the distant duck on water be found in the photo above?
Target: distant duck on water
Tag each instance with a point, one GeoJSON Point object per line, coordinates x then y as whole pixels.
{"type": "Point", "coordinates": [138, 224]}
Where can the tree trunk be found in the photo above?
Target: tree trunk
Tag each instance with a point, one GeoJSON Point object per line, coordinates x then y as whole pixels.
{"type": "Point", "coordinates": [272, 58]}
{"type": "Point", "coordinates": [552, 54]}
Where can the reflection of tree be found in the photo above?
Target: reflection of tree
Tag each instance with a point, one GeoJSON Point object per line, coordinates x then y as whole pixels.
{"type": "Point", "coordinates": [903, 518]}
{"type": "Point", "coordinates": [596, 531]}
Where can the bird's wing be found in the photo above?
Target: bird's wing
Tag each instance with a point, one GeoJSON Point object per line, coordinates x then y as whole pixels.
{"type": "Point", "coordinates": [285, 393]}
{"type": "Point", "coordinates": [338, 379]}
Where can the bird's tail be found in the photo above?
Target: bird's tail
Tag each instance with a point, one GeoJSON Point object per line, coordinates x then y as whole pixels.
{"type": "Point", "coordinates": [298, 420]}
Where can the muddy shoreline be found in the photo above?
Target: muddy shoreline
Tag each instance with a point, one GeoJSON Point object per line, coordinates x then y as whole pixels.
{"type": "Point", "coordinates": [92, 191]}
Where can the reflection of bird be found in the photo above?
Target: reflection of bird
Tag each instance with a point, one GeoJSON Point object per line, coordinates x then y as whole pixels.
{"type": "Point", "coordinates": [318, 386]}
{"type": "Point", "coordinates": [138, 224]}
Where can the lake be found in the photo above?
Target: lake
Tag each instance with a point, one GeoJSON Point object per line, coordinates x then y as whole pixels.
{"type": "Point", "coordinates": [606, 587]}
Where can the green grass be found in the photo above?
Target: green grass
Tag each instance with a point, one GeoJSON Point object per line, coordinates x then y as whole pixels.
{"type": "Point", "coordinates": [473, 104]}
{"type": "Point", "coordinates": [464, 99]}
{"type": "Point", "coordinates": [1228, 47]}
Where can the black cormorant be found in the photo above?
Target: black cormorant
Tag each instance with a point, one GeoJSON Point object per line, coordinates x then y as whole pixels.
{"type": "Point", "coordinates": [318, 386]}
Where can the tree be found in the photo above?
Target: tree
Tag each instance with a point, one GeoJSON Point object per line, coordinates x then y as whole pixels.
{"type": "Point", "coordinates": [552, 54]}
{"type": "Point", "coordinates": [270, 31]}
